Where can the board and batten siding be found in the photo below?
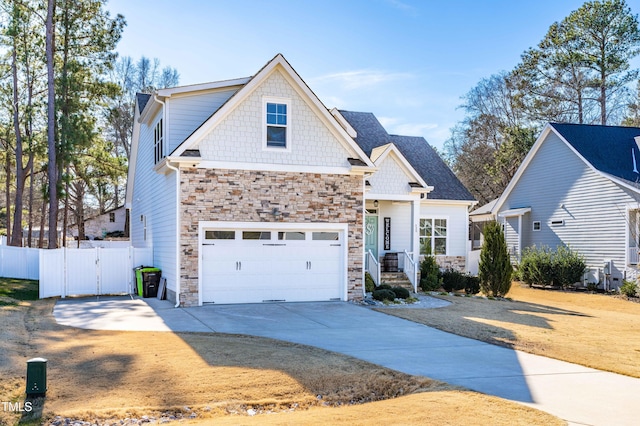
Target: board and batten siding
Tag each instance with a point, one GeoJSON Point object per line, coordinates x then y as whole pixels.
{"type": "Point", "coordinates": [400, 215]}
{"type": "Point", "coordinates": [239, 136]}
{"type": "Point", "coordinates": [154, 198]}
{"type": "Point", "coordinates": [575, 205]}
{"type": "Point", "coordinates": [187, 112]}
{"type": "Point", "coordinates": [457, 224]}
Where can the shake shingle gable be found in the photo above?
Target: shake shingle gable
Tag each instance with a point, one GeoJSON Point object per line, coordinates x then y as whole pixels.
{"type": "Point", "coordinates": [422, 157]}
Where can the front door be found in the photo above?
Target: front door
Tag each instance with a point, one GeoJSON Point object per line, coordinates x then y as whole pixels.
{"type": "Point", "coordinates": [371, 235]}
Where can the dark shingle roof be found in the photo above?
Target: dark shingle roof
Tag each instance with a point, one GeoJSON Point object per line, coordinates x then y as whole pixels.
{"type": "Point", "coordinates": [422, 157]}
{"type": "Point", "coordinates": [143, 98]}
{"type": "Point", "coordinates": [610, 149]}
{"type": "Point", "coordinates": [431, 168]}
{"type": "Point", "coordinates": [371, 134]}
{"type": "Point", "coordinates": [191, 153]}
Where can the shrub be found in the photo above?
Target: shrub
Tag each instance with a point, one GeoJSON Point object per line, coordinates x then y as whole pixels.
{"type": "Point", "coordinates": [369, 284]}
{"type": "Point", "coordinates": [384, 294]}
{"type": "Point", "coordinates": [495, 268]}
{"type": "Point", "coordinates": [383, 287]}
{"type": "Point", "coordinates": [401, 292]}
{"type": "Point", "coordinates": [569, 266]}
{"type": "Point", "coordinates": [543, 266]}
{"type": "Point", "coordinates": [592, 287]}
{"type": "Point", "coordinates": [472, 285]}
{"type": "Point", "coordinates": [536, 266]}
{"type": "Point", "coordinates": [429, 274]}
{"type": "Point", "coordinates": [629, 288]}
{"type": "Point", "coordinates": [453, 280]}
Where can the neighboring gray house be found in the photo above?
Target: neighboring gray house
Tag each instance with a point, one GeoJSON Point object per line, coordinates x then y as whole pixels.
{"type": "Point", "coordinates": [578, 186]}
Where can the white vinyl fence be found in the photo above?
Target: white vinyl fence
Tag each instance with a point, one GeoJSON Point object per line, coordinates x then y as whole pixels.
{"type": "Point", "coordinates": [473, 261]}
{"type": "Point", "coordinates": [19, 262]}
{"type": "Point", "coordinates": [72, 272]}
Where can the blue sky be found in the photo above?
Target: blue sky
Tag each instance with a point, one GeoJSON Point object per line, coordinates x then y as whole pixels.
{"type": "Point", "coordinates": [407, 61]}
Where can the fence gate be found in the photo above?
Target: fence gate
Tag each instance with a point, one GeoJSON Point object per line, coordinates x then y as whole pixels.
{"type": "Point", "coordinates": [73, 272]}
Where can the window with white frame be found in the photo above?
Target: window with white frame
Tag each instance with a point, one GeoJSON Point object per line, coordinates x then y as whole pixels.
{"type": "Point", "coordinates": [277, 123]}
{"type": "Point", "coordinates": [158, 145]}
{"type": "Point", "coordinates": [433, 236]}
{"type": "Point", "coordinates": [536, 225]}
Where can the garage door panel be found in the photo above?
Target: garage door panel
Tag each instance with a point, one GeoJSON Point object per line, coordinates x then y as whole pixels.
{"type": "Point", "coordinates": [253, 271]}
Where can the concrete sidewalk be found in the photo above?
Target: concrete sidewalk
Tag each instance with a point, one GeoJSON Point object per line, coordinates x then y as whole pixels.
{"type": "Point", "coordinates": [577, 394]}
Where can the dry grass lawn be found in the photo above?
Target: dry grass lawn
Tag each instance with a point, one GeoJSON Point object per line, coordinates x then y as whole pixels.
{"type": "Point", "coordinates": [594, 330]}
{"type": "Point", "coordinates": [98, 375]}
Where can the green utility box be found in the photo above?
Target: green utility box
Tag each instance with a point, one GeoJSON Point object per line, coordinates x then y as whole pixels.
{"type": "Point", "coordinates": [36, 376]}
{"type": "Point", "coordinates": [147, 281]}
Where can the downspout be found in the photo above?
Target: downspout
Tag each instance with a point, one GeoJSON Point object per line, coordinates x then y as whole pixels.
{"type": "Point", "coordinates": [364, 233]}
{"type": "Point", "coordinates": [177, 170]}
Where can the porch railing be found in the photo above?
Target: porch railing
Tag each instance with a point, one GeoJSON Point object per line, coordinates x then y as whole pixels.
{"type": "Point", "coordinates": [372, 266]}
{"type": "Point", "coordinates": [633, 256]}
{"type": "Point", "coordinates": [411, 269]}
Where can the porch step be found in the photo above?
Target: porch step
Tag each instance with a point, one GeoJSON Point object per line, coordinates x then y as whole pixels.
{"type": "Point", "coordinates": [396, 279]}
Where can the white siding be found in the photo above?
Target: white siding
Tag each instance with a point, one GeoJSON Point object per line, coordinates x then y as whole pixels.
{"type": "Point", "coordinates": [154, 198]}
{"type": "Point", "coordinates": [557, 185]}
{"type": "Point", "coordinates": [390, 179]}
{"type": "Point", "coordinates": [186, 113]}
{"type": "Point", "coordinates": [457, 224]}
{"type": "Point", "coordinates": [238, 138]}
{"type": "Point", "coordinates": [400, 214]}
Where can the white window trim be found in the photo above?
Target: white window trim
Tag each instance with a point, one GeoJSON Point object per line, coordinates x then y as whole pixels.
{"type": "Point", "coordinates": [158, 126]}
{"type": "Point", "coordinates": [276, 100]}
{"type": "Point", "coordinates": [432, 218]}
{"type": "Point", "coordinates": [533, 227]}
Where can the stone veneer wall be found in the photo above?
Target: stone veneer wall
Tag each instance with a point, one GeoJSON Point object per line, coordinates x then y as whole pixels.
{"type": "Point", "coordinates": [451, 262]}
{"type": "Point", "coordinates": [251, 196]}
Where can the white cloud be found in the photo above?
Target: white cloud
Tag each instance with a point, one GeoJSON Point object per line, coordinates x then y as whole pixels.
{"type": "Point", "coordinates": [401, 5]}
{"type": "Point", "coordinates": [358, 79]}
{"type": "Point", "coordinates": [415, 129]}
{"type": "Point", "coordinates": [388, 123]}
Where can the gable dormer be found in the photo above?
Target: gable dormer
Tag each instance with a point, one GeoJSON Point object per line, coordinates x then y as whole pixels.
{"type": "Point", "coordinates": [394, 175]}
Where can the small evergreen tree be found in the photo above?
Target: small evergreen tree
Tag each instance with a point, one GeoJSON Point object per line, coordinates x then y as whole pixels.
{"type": "Point", "coordinates": [495, 268]}
{"type": "Point", "coordinates": [429, 274]}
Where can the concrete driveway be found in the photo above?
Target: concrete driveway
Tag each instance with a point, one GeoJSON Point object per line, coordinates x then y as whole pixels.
{"type": "Point", "coordinates": [577, 394]}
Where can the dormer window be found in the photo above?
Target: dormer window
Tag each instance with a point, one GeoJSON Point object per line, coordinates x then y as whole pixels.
{"type": "Point", "coordinates": [277, 123]}
{"type": "Point", "coordinates": [158, 145]}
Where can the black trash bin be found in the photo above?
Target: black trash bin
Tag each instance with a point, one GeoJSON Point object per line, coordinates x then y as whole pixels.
{"type": "Point", "coordinates": [147, 280]}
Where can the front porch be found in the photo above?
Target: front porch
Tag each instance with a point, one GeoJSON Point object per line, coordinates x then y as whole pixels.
{"type": "Point", "coordinates": [391, 245]}
{"type": "Point", "coordinates": [399, 232]}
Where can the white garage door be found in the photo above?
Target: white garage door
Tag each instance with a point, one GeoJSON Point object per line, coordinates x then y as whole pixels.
{"type": "Point", "coordinates": [266, 265]}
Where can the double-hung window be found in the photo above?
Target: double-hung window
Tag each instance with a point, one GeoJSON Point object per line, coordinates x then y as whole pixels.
{"type": "Point", "coordinates": [277, 118]}
{"type": "Point", "coordinates": [433, 236]}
